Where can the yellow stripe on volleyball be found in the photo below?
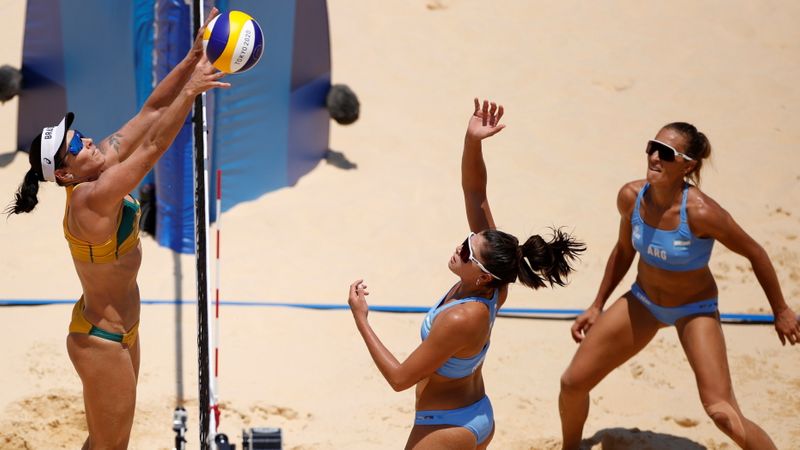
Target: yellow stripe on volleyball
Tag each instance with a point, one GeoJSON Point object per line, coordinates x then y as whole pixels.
{"type": "Point", "coordinates": [207, 30]}
{"type": "Point", "coordinates": [235, 21]}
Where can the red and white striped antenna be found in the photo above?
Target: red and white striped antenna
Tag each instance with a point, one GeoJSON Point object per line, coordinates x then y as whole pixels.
{"type": "Point", "coordinates": [215, 343]}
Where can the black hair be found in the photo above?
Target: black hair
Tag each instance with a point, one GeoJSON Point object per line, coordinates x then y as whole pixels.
{"type": "Point", "coordinates": [697, 146]}
{"type": "Point", "coordinates": [536, 263]}
{"type": "Point", "coordinates": [25, 199]}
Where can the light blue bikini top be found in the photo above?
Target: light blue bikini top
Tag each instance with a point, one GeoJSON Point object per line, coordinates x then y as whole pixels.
{"type": "Point", "coordinates": [460, 367]}
{"type": "Point", "coordinates": [677, 250]}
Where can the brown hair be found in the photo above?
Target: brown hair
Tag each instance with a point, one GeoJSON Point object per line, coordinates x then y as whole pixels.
{"type": "Point", "coordinates": [697, 147]}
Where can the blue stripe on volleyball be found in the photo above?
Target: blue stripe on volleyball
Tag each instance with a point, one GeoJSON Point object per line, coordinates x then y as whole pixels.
{"type": "Point", "coordinates": [258, 47]}
{"type": "Point", "coordinates": [219, 37]}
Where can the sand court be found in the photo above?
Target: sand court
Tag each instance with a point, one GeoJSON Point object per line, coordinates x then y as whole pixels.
{"type": "Point", "coordinates": [584, 87]}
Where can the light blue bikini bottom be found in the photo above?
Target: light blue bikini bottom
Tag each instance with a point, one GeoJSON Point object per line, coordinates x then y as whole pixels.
{"type": "Point", "coordinates": [670, 315]}
{"type": "Point", "coordinates": [477, 418]}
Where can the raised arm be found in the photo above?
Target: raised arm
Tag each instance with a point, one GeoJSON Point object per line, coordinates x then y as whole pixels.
{"type": "Point", "coordinates": [484, 123]}
{"type": "Point", "coordinates": [710, 219]}
{"type": "Point", "coordinates": [120, 179]}
{"type": "Point", "coordinates": [127, 139]}
{"type": "Point", "coordinates": [619, 262]}
{"type": "Point", "coordinates": [452, 332]}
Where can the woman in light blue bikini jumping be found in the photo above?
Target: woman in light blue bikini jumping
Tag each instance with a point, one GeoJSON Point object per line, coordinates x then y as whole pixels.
{"type": "Point", "coordinates": [452, 409]}
{"type": "Point", "coordinates": [673, 226]}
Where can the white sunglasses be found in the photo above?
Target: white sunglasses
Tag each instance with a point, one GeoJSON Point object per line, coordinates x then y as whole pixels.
{"type": "Point", "coordinates": [665, 151]}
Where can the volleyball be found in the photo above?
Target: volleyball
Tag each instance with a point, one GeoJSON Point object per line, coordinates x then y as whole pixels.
{"type": "Point", "coordinates": [233, 42]}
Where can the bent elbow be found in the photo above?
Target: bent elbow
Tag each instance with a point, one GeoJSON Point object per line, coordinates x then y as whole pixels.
{"type": "Point", "coordinates": [400, 385]}
{"type": "Point", "coordinates": [154, 146]}
{"type": "Point", "coordinates": [150, 113]}
{"type": "Point", "coordinates": [758, 257]}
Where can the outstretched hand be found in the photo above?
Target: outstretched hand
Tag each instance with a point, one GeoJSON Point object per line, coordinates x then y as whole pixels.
{"type": "Point", "coordinates": [485, 120]}
{"type": "Point", "coordinates": [197, 50]}
{"type": "Point", "coordinates": [787, 325]}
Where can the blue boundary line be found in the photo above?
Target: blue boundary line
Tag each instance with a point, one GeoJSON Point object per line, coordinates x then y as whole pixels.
{"type": "Point", "coordinates": [514, 312]}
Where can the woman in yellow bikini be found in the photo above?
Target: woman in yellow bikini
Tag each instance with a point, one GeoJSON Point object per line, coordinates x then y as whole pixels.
{"type": "Point", "coordinates": [101, 225]}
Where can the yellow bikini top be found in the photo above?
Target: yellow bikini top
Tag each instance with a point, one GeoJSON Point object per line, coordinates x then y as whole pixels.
{"type": "Point", "coordinates": [118, 244]}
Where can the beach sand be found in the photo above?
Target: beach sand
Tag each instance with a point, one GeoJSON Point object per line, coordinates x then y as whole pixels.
{"type": "Point", "coordinates": [584, 86]}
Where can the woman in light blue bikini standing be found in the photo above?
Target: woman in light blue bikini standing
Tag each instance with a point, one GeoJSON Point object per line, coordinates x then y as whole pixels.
{"type": "Point", "coordinates": [673, 226]}
{"type": "Point", "coordinates": [452, 409]}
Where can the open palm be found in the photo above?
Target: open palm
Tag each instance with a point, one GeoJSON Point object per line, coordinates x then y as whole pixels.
{"type": "Point", "coordinates": [485, 120]}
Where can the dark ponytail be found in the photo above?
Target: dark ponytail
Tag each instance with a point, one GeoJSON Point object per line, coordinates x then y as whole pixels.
{"type": "Point", "coordinates": [26, 197]}
{"type": "Point", "coordinates": [542, 263]}
{"type": "Point", "coordinates": [536, 263]}
{"type": "Point", "coordinates": [698, 146]}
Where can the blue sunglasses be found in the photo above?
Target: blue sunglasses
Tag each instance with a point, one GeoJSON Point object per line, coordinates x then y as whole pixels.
{"type": "Point", "coordinates": [76, 143]}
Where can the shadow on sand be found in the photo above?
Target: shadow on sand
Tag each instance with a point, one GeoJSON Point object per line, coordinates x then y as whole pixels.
{"type": "Point", "coordinates": [338, 159]}
{"type": "Point", "coordinates": [7, 158]}
{"type": "Point", "coordinates": [636, 439]}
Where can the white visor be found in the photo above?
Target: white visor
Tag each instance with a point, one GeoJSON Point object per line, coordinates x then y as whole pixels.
{"type": "Point", "coordinates": [52, 139]}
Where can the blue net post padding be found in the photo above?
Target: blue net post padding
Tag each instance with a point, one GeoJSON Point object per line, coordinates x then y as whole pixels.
{"type": "Point", "coordinates": [271, 127]}
{"type": "Point", "coordinates": [250, 121]}
{"type": "Point", "coordinates": [311, 80]}
{"type": "Point", "coordinates": [43, 100]}
{"type": "Point", "coordinates": [173, 172]}
{"type": "Point", "coordinates": [267, 130]}
{"type": "Point", "coordinates": [67, 68]}
{"type": "Point", "coordinates": [99, 64]}
{"type": "Point", "coordinates": [143, 18]}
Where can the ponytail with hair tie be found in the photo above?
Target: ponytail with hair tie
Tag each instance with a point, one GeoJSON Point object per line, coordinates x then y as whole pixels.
{"type": "Point", "coordinates": [25, 198]}
{"type": "Point", "coordinates": [550, 262]}
{"type": "Point", "coordinates": [536, 263]}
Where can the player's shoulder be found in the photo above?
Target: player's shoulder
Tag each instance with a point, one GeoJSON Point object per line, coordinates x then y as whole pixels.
{"type": "Point", "coordinates": [701, 207]}
{"type": "Point", "coordinates": [626, 197]}
{"type": "Point", "coordinates": [464, 316]}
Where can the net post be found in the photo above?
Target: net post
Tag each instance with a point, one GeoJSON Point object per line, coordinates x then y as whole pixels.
{"type": "Point", "coordinates": [207, 425]}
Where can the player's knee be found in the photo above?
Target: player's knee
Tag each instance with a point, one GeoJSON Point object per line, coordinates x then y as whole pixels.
{"type": "Point", "coordinates": [727, 418]}
{"type": "Point", "coordinates": [572, 384]}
